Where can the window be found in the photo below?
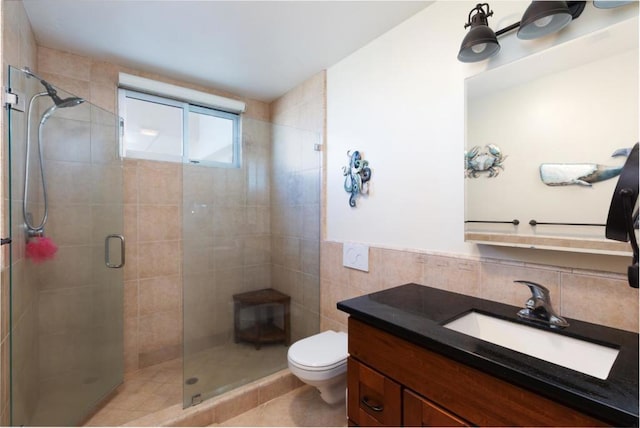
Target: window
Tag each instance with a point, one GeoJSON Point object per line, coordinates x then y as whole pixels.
{"type": "Point", "coordinates": [166, 129]}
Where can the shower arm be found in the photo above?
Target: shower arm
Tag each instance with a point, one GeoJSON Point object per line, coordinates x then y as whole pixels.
{"type": "Point", "coordinates": [29, 73]}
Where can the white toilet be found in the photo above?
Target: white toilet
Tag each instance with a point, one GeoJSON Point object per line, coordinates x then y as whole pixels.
{"type": "Point", "coordinates": [321, 361]}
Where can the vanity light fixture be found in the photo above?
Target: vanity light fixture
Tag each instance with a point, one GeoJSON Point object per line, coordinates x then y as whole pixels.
{"type": "Point", "coordinates": [609, 4]}
{"type": "Point", "coordinates": [540, 18]}
{"type": "Point", "coordinates": [480, 42]}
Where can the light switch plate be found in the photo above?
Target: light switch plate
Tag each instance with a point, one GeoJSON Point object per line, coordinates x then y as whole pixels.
{"type": "Point", "coordinates": [355, 256]}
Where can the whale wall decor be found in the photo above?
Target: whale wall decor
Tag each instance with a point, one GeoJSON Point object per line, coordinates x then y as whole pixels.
{"type": "Point", "coordinates": [582, 174]}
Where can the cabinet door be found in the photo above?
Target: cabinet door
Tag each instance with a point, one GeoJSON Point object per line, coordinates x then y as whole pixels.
{"type": "Point", "coordinates": [374, 399]}
{"type": "Point", "coordinates": [419, 412]}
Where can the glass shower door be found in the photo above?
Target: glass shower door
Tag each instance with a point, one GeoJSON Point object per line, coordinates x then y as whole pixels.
{"type": "Point", "coordinates": [67, 306]}
{"type": "Point", "coordinates": [245, 230]}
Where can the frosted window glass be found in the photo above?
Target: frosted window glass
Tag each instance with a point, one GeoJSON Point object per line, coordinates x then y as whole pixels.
{"type": "Point", "coordinates": [153, 130]}
{"type": "Point", "coordinates": [210, 138]}
{"type": "Point", "coordinates": [159, 128]}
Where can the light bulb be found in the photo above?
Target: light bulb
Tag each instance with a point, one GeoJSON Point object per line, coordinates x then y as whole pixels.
{"type": "Point", "coordinates": [543, 22]}
{"type": "Point", "coordinates": [479, 48]}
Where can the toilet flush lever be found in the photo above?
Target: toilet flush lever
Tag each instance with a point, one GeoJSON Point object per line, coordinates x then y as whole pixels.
{"type": "Point", "coordinates": [107, 251]}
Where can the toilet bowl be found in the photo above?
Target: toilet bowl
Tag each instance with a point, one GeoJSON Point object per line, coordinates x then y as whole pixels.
{"type": "Point", "coordinates": [321, 361]}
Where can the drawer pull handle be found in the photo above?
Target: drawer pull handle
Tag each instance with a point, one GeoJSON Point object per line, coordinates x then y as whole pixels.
{"type": "Point", "coordinates": [375, 408]}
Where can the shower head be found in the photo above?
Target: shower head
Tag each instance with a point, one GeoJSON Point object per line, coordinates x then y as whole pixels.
{"type": "Point", "coordinates": [59, 102]}
{"type": "Point", "coordinates": [67, 102]}
{"type": "Point", "coordinates": [70, 102]}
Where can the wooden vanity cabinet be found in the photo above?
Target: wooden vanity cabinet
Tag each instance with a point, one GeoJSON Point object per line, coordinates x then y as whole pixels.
{"type": "Point", "coordinates": [420, 412]}
{"type": "Point", "coordinates": [374, 399]}
{"type": "Point", "coordinates": [393, 382]}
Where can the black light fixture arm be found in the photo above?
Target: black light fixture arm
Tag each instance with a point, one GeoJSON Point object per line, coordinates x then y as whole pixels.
{"type": "Point", "coordinates": [507, 29]}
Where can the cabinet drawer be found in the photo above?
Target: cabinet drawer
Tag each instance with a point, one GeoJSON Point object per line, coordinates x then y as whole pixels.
{"type": "Point", "coordinates": [419, 412]}
{"type": "Point", "coordinates": [374, 399]}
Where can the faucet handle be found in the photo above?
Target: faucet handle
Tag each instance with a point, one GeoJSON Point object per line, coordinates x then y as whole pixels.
{"type": "Point", "coordinates": [538, 306]}
{"type": "Point", "coordinates": [538, 291]}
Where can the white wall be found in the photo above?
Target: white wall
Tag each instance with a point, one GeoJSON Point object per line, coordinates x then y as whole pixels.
{"type": "Point", "coordinates": [400, 101]}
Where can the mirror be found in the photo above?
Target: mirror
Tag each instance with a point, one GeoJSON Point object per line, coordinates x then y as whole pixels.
{"type": "Point", "coordinates": [543, 140]}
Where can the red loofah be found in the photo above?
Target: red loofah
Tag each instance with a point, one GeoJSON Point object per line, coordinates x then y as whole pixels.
{"type": "Point", "coordinates": [40, 249]}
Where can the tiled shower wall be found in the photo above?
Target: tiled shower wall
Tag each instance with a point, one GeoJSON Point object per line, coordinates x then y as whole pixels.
{"type": "Point", "coordinates": [597, 297]}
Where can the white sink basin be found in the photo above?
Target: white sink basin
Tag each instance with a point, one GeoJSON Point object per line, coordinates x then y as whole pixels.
{"type": "Point", "coordinates": [586, 357]}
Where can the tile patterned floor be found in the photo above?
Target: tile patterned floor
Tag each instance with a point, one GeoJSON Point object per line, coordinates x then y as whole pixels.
{"type": "Point", "coordinates": [157, 387]}
{"type": "Point", "coordinates": [301, 407]}
{"type": "Point", "coordinates": [143, 392]}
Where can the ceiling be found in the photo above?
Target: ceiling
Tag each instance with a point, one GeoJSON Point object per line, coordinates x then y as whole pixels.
{"type": "Point", "coordinates": [256, 49]}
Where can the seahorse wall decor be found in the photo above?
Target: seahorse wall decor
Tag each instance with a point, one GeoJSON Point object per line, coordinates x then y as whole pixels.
{"type": "Point", "coordinates": [357, 174]}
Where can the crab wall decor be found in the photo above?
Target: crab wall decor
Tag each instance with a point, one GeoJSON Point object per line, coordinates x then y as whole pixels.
{"type": "Point", "coordinates": [489, 161]}
{"type": "Point", "coordinates": [357, 174]}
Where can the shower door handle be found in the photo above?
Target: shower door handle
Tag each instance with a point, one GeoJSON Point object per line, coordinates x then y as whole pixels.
{"type": "Point", "coordinates": [107, 256]}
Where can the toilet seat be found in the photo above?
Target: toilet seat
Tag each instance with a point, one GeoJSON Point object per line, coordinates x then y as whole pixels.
{"type": "Point", "coordinates": [321, 352]}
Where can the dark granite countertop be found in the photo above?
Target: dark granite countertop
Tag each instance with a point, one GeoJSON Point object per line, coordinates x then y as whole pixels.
{"type": "Point", "coordinates": [416, 313]}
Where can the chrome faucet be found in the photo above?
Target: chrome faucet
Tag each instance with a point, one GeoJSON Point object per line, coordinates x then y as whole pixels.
{"type": "Point", "coordinates": [538, 307]}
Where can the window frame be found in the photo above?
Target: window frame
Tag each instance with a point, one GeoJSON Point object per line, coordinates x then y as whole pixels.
{"type": "Point", "coordinates": [186, 107]}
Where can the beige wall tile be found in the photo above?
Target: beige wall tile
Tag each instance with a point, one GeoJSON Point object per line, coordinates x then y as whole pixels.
{"type": "Point", "coordinates": [131, 262]}
{"type": "Point", "coordinates": [130, 334]}
{"type": "Point", "coordinates": [496, 283]}
{"type": "Point", "coordinates": [257, 277]}
{"type": "Point", "coordinates": [159, 330]}
{"type": "Point", "coordinates": [234, 403]}
{"type": "Point", "coordinates": [292, 253]}
{"type": "Point", "coordinates": [452, 274]}
{"type": "Point", "coordinates": [160, 294]}
{"type": "Point", "coordinates": [599, 300]}
{"type": "Point", "coordinates": [311, 293]}
{"type": "Point", "coordinates": [130, 174]}
{"type": "Point", "coordinates": [104, 73]}
{"type": "Point", "coordinates": [159, 183]}
{"type": "Point", "coordinates": [158, 259]}
{"type": "Point", "coordinates": [159, 223]}
{"type": "Point", "coordinates": [574, 295]}
{"type": "Point", "coordinates": [330, 295]}
{"type": "Point", "coordinates": [104, 96]}
{"type": "Point", "coordinates": [331, 263]}
{"type": "Point", "coordinates": [64, 64]}
{"type": "Point", "coordinates": [399, 267]}
{"type": "Point", "coordinates": [130, 306]}
{"type": "Point", "coordinates": [69, 182]}
{"type": "Point", "coordinates": [288, 281]}
{"type": "Point", "coordinates": [76, 259]}
{"type": "Point", "coordinates": [277, 385]}
{"type": "Point", "coordinates": [331, 324]}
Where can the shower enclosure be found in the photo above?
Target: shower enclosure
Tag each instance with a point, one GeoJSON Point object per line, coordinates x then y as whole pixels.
{"type": "Point", "coordinates": [239, 229]}
{"type": "Point", "coordinates": [65, 189]}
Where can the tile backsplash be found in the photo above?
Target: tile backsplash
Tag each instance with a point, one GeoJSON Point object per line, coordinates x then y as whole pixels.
{"type": "Point", "coordinates": [596, 297]}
